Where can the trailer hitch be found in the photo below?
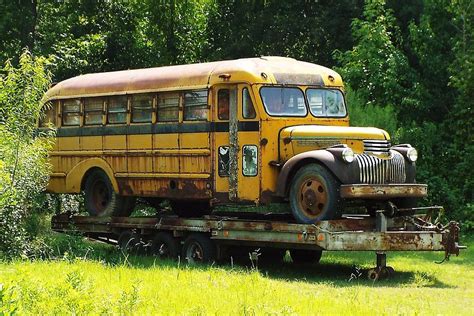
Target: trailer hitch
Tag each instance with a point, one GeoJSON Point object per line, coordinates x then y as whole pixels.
{"type": "Point", "coordinates": [451, 241]}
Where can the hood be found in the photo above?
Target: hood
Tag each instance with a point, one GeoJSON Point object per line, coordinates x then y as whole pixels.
{"type": "Point", "coordinates": [302, 138]}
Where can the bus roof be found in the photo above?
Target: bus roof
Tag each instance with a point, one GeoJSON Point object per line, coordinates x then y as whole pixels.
{"type": "Point", "coordinates": [269, 70]}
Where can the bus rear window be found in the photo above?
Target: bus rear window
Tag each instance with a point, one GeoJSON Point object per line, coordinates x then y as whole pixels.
{"type": "Point", "coordinates": [71, 112]}
{"type": "Point", "coordinates": [195, 105]}
{"type": "Point", "coordinates": [48, 115]}
{"type": "Point", "coordinates": [279, 101]}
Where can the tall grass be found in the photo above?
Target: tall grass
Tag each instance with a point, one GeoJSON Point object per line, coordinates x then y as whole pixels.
{"type": "Point", "coordinates": [104, 281]}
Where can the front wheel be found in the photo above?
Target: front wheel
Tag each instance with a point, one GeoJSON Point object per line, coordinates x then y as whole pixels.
{"type": "Point", "coordinates": [314, 195]}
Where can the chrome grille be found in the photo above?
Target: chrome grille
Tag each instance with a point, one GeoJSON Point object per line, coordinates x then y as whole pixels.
{"type": "Point", "coordinates": [377, 146]}
{"type": "Point", "coordinates": [374, 170]}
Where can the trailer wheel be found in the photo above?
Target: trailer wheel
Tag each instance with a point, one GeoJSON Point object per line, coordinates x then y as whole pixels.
{"type": "Point", "coordinates": [199, 248]}
{"type": "Point", "coordinates": [300, 256]}
{"type": "Point", "coordinates": [314, 195]}
{"type": "Point", "coordinates": [101, 199]}
{"type": "Point", "coordinates": [164, 246]}
{"type": "Point", "coordinates": [129, 242]}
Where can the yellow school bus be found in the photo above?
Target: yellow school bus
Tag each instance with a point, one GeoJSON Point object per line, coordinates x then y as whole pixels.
{"type": "Point", "coordinates": [250, 131]}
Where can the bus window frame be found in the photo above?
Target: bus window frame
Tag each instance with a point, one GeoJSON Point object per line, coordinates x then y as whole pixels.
{"type": "Point", "coordinates": [151, 109]}
{"type": "Point", "coordinates": [127, 110]}
{"type": "Point", "coordinates": [63, 113]}
{"type": "Point", "coordinates": [184, 107]}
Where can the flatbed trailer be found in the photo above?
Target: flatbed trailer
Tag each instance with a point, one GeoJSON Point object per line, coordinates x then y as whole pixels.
{"type": "Point", "coordinates": [209, 238]}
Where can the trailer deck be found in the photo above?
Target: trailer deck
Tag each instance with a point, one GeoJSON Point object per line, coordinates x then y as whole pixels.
{"type": "Point", "coordinates": [380, 234]}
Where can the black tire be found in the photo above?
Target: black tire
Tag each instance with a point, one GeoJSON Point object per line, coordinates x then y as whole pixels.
{"type": "Point", "coordinates": [101, 200]}
{"type": "Point", "coordinates": [303, 256]}
{"type": "Point", "coordinates": [190, 208]}
{"type": "Point", "coordinates": [164, 246]}
{"type": "Point", "coordinates": [129, 242]}
{"type": "Point", "coordinates": [199, 248]}
{"type": "Point", "coordinates": [314, 195]}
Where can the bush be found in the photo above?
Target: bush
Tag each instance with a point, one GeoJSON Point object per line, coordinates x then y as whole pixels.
{"type": "Point", "coordinates": [23, 157]}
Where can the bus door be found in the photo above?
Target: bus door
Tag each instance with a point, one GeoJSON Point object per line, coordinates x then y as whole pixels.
{"type": "Point", "coordinates": [236, 141]}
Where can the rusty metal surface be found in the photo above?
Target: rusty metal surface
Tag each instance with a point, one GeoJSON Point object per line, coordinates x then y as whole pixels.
{"type": "Point", "coordinates": [346, 234]}
{"type": "Point", "coordinates": [385, 191]}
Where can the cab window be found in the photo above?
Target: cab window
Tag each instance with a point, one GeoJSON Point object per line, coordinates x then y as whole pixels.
{"type": "Point", "coordinates": [248, 110]}
{"type": "Point", "coordinates": [279, 101]}
{"type": "Point", "coordinates": [223, 100]}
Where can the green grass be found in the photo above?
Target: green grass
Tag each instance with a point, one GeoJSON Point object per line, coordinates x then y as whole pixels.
{"type": "Point", "coordinates": [104, 281]}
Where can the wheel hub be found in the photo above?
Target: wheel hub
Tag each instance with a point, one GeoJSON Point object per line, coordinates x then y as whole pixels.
{"type": "Point", "coordinates": [313, 196]}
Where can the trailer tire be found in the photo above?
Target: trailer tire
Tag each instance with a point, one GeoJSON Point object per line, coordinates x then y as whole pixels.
{"type": "Point", "coordinates": [199, 248]}
{"type": "Point", "coordinates": [164, 246]}
{"type": "Point", "coordinates": [101, 200]}
{"type": "Point", "coordinates": [303, 256]}
{"type": "Point", "coordinates": [314, 195]}
{"type": "Point", "coordinates": [129, 242]}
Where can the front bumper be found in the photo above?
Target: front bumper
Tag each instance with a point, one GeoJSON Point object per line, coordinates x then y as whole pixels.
{"type": "Point", "coordinates": [383, 191]}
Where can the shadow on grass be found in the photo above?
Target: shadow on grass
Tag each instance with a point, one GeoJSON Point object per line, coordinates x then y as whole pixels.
{"type": "Point", "coordinates": [336, 268]}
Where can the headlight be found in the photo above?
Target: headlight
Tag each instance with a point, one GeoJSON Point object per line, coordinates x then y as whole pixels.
{"type": "Point", "coordinates": [348, 155]}
{"type": "Point", "coordinates": [412, 154]}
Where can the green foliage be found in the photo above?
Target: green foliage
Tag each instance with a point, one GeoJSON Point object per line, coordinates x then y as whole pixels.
{"type": "Point", "coordinates": [363, 114]}
{"type": "Point", "coordinates": [376, 67]}
{"type": "Point", "coordinates": [23, 164]}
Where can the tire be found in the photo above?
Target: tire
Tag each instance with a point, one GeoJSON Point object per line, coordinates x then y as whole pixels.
{"type": "Point", "coordinates": [302, 256]}
{"type": "Point", "coordinates": [164, 246]}
{"type": "Point", "coordinates": [129, 242]}
{"type": "Point", "coordinates": [199, 248]}
{"type": "Point", "coordinates": [190, 208]}
{"type": "Point", "coordinates": [314, 195]}
{"type": "Point", "coordinates": [100, 198]}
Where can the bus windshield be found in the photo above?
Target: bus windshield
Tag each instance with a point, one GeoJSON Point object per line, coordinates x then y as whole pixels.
{"type": "Point", "coordinates": [286, 101]}
{"type": "Point", "coordinates": [279, 101]}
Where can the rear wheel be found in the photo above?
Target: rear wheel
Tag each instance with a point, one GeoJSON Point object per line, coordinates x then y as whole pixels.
{"type": "Point", "coordinates": [101, 199]}
{"type": "Point", "coordinates": [314, 195]}
{"type": "Point", "coordinates": [199, 248]}
{"type": "Point", "coordinates": [299, 256]}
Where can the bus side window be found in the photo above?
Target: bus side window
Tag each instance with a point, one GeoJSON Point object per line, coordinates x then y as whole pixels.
{"type": "Point", "coordinates": [48, 114]}
{"type": "Point", "coordinates": [117, 110]}
{"type": "Point", "coordinates": [71, 112]}
{"type": "Point", "coordinates": [195, 105]}
{"type": "Point", "coordinates": [223, 104]}
{"type": "Point", "coordinates": [168, 107]}
{"type": "Point", "coordinates": [248, 111]}
{"type": "Point", "coordinates": [142, 108]}
{"type": "Point", "coordinates": [93, 111]}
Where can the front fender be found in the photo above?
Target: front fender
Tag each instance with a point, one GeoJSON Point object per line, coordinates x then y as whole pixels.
{"type": "Point", "coordinates": [343, 171]}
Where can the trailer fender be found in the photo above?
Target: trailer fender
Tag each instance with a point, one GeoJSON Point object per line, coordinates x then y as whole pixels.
{"type": "Point", "coordinates": [341, 170]}
{"type": "Point", "coordinates": [75, 177]}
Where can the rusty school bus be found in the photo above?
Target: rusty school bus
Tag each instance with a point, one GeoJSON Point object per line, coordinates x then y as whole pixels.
{"type": "Point", "coordinates": [252, 131]}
